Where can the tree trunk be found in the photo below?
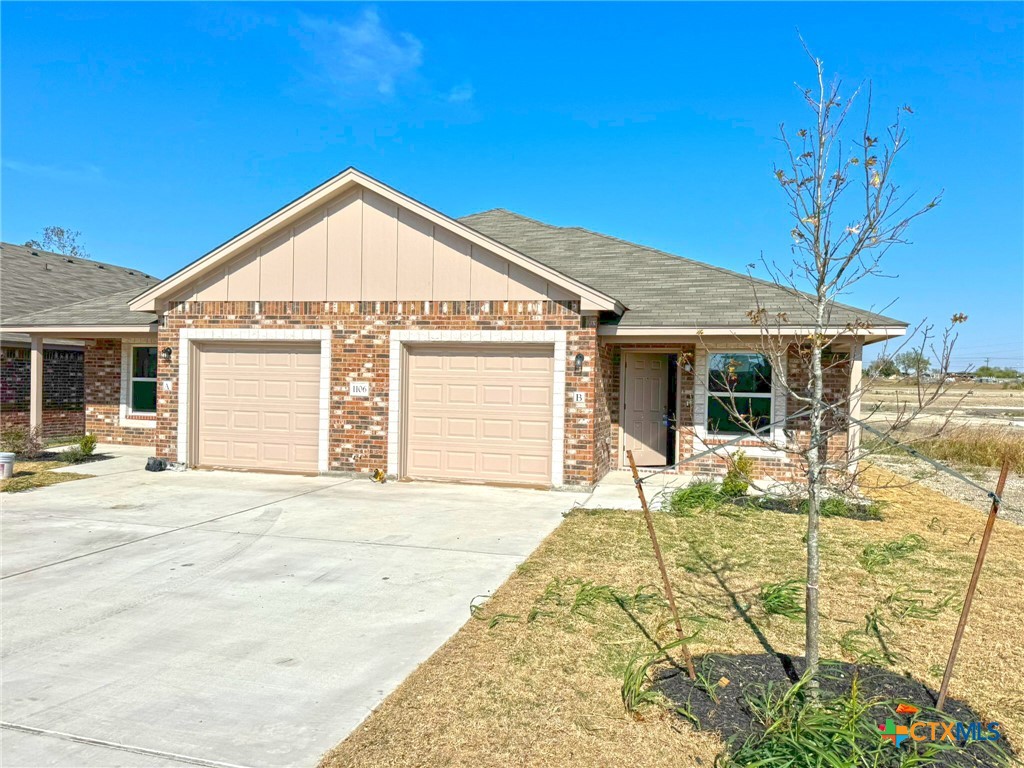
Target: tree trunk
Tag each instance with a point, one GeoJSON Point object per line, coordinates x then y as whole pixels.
{"type": "Point", "coordinates": [816, 458]}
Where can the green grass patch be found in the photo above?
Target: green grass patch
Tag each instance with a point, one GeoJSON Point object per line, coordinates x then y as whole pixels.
{"type": "Point", "coordinates": [876, 556]}
{"type": "Point", "coordinates": [701, 495]}
{"type": "Point", "coordinates": [783, 599]}
{"type": "Point", "coordinates": [836, 506]}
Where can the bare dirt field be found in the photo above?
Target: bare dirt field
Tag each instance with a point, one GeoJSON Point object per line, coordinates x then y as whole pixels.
{"type": "Point", "coordinates": [975, 408]}
{"type": "Point", "coordinates": [963, 403]}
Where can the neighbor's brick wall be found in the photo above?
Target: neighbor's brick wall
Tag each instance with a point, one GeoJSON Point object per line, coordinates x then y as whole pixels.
{"type": "Point", "coordinates": [63, 378]}
{"type": "Point", "coordinates": [360, 349]}
{"type": "Point", "coordinates": [56, 422]}
{"type": "Point", "coordinates": [103, 396]}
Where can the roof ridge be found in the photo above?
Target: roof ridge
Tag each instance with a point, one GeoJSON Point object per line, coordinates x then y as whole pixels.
{"type": "Point", "coordinates": [79, 259]}
{"type": "Point", "coordinates": [517, 215]}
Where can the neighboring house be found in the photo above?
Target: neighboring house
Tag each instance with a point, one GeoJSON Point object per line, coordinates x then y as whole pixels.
{"type": "Point", "coordinates": [357, 329]}
{"type": "Point", "coordinates": [32, 280]}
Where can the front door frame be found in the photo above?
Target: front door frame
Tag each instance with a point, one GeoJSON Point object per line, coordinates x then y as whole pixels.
{"type": "Point", "coordinates": [673, 434]}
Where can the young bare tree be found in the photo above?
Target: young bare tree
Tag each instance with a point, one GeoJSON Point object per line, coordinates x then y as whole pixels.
{"type": "Point", "coordinates": [61, 240]}
{"type": "Point", "coordinates": [847, 213]}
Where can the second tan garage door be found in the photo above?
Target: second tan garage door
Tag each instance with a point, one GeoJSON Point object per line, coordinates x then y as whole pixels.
{"type": "Point", "coordinates": [479, 413]}
{"type": "Point", "coordinates": [258, 407]}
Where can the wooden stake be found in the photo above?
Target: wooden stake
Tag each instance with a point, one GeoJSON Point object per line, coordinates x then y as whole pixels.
{"type": "Point", "coordinates": [661, 564]}
{"type": "Point", "coordinates": [989, 524]}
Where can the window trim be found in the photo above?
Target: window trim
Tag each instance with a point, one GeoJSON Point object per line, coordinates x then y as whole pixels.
{"type": "Point", "coordinates": [724, 395]}
{"type": "Point", "coordinates": [126, 416]}
{"type": "Point", "coordinates": [132, 378]}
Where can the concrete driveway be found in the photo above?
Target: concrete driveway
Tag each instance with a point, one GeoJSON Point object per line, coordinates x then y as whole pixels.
{"type": "Point", "coordinates": [228, 619]}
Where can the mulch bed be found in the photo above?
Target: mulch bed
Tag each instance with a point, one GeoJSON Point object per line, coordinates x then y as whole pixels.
{"type": "Point", "coordinates": [731, 716]}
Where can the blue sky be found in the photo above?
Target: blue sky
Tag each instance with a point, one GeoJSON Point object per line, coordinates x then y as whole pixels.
{"type": "Point", "coordinates": [160, 130]}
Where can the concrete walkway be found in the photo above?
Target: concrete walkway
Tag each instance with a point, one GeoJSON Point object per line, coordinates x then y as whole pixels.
{"type": "Point", "coordinates": [230, 619]}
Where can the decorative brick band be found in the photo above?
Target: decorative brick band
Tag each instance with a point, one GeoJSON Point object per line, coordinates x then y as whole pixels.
{"type": "Point", "coordinates": [188, 335]}
{"type": "Point", "coordinates": [555, 338]}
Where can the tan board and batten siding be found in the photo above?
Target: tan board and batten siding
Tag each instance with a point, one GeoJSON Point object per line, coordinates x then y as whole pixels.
{"type": "Point", "coordinates": [364, 247]}
{"type": "Point", "coordinates": [480, 413]}
{"type": "Point", "coordinates": [258, 407]}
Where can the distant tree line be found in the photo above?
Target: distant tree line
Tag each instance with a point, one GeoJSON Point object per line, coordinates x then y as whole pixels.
{"type": "Point", "coordinates": [916, 363]}
{"type": "Point", "coordinates": [906, 363]}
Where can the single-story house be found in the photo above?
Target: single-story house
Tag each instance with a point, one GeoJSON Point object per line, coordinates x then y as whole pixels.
{"type": "Point", "coordinates": [33, 280]}
{"type": "Point", "coordinates": [357, 329]}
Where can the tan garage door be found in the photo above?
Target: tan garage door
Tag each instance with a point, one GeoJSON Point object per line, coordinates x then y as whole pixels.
{"type": "Point", "coordinates": [258, 407]}
{"type": "Point", "coordinates": [480, 413]}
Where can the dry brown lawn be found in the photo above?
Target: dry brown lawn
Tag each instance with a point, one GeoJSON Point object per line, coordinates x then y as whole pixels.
{"type": "Point", "coordinates": [530, 682]}
{"type": "Point", "coordinates": [36, 474]}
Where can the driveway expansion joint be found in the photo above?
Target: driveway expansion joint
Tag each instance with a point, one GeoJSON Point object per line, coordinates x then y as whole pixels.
{"type": "Point", "coordinates": [172, 756]}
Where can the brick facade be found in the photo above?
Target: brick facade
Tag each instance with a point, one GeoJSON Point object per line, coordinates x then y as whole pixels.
{"type": "Point", "coordinates": [360, 348]}
{"type": "Point", "coordinates": [63, 390]}
{"type": "Point", "coordinates": [103, 396]}
{"type": "Point", "coordinates": [778, 465]}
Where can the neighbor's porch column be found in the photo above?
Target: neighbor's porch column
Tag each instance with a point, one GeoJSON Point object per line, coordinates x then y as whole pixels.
{"type": "Point", "coordinates": [35, 415]}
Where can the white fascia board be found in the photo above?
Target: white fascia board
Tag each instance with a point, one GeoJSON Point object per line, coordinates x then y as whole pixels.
{"type": "Point", "coordinates": [738, 332]}
{"type": "Point", "coordinates": [72, 331]}
{"type": "Point", "coordinates": [149, 301]}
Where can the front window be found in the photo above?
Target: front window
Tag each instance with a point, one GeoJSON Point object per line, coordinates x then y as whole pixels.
{"type": "Point", "coordinates": [143, 383]}
{"type": "Point", "coordinates": [739, 393]}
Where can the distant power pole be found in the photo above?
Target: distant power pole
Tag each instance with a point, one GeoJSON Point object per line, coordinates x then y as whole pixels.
{"type": "Point", "coordinates": [986, 361]}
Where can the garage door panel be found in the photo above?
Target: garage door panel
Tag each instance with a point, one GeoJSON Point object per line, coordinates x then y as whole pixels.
{"type": "Point", "coordinates": [462, 428]}
{"type": "Point", "coordinates": [217, 449]}
{"type": "Point", "coordinates": [492, 363]}
{"type": "Point", "coordinates": [534, 431]}
{"type": "Point", "coordinates": [539, 396]}
{"type": "Point", "coordinates": [305, 454]}
{"type": "Point", "coordinates": [536, 363]}
{"type": "Point", "coordinates": [497, 463]}
{"type": "Point", "coordinates": [462, 394]}
{"type": "Point", "coordinates": [479, 413]}
{"type": "Point", "coordinates": [246, 420]}
{"type": "Point", "coordinates": [497, 429]}
{"type": "Point", "coordinates": [215, 388]}
{"type": "Point", "coordinates": [426, 458]}
{"type": "Point", "coordinates": [307, 423]}
{"type": "Point", "coordinates": [308, 391]}
{"type": "Point", "coordinates": [277, 421]}
{"type": "Point", "coordinates": [243, 388]}
{"type": "Point", "coordinates": [427, 393]}
{"type": "Point", "coordinates": [243, 450]}
{"type": "Point", "coordinates": [277, 389]}
{"type": "Point", "coordinates": [258, 406]}
{"type": "Point", "coordinates": [460, 461]}
{"type": "Point", "coordinates": [462, 363]}
{"type": "Point", "coordinates": [498, 394]}
{"type": "Point", "coordinates": [535, 466]}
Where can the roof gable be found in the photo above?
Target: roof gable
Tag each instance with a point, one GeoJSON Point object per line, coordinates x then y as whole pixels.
{"type": "Point", "coordinates": [354, 238]}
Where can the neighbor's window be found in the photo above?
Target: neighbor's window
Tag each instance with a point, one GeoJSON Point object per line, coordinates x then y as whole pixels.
{"type": "Point", "coordinates": [739, 393]}
{"type": "Point", "coordinates": [143, 386]}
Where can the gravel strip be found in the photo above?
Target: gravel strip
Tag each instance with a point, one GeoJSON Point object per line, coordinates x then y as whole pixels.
{"type": "Point", "coordinates": [1012, 508]}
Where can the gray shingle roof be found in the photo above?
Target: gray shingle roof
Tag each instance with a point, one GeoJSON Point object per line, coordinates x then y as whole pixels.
{"type": "Point", "coordinates": [33, 280]}
{"type": "Point", "coordinates": [111, 309]}
{"type": "Point", "coordinates": [659, 289]}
